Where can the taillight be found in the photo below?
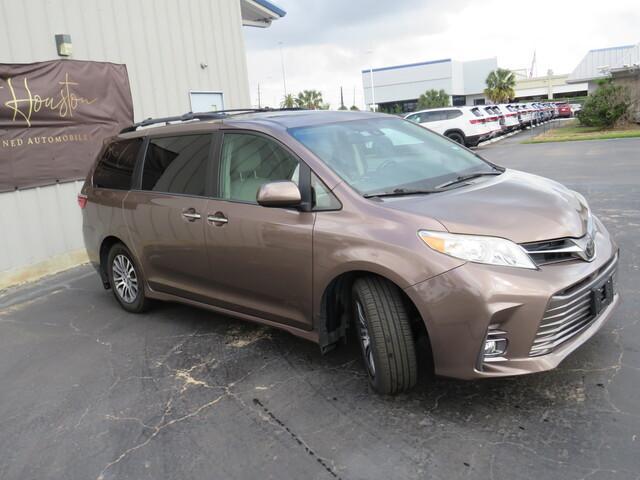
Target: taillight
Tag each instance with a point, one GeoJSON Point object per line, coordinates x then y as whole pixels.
{"type": "Point", "coordinates": [475, 121]}
{"type": "Point", "coordinates": [82, 200]}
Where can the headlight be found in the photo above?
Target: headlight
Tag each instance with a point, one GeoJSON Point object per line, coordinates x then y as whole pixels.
{"type": "Point", "coordinates": [476, 248]}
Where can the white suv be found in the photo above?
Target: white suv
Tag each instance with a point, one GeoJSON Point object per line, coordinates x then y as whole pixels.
{"type": "Point", "coordinates": [465, 125]}
{"type": "Point", "coordinates": [510, 117]}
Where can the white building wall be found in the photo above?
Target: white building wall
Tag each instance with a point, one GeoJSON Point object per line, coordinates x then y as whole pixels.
{"type": "Point", "coordinates": [406, 82]}
{"type": "Point", "coordinates": [163, 43]}
{"type": "Point", "coordinates": [40, 232]}
{"type": "Point", "coordinates": [475, 74]}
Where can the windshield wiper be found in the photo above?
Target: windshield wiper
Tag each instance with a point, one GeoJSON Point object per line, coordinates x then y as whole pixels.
{"type": "Point", "coordinates": [464, 178]}
{"type": "Point", "coordinates": [398, 192]}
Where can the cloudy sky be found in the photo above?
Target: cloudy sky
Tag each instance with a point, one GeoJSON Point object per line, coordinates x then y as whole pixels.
{"type": "Point", "coordinates": [325, 44]}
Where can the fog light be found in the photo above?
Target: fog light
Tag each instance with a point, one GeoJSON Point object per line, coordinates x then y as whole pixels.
{"type": "Point", "coordinates": [495, 344]}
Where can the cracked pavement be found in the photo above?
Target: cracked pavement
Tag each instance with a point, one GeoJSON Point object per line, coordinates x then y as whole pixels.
{"type": "Point", "coordinates": [89, 391]}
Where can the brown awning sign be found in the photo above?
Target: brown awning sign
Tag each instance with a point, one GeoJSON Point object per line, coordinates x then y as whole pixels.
{"type": "Point", "coordinates": [54, 117]}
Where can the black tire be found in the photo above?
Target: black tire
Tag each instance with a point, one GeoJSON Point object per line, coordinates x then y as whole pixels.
{"type": "Point", "coordinates": [137, 303]}
{"type": "Point", "coordinates": [390, 359]}
{"type": "Point", "coordinates": [456, 137]}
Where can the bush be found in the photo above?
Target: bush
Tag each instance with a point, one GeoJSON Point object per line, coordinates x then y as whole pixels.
{"type": "Point", "coordinates": [606, 106]}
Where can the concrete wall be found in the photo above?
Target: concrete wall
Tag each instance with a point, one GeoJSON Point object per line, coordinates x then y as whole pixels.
{"type": "Point", "coordinates": [162, 42]}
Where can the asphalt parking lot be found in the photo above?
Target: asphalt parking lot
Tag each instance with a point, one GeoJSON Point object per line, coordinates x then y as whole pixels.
{"type": "Point", "coordinates": [90, 392]}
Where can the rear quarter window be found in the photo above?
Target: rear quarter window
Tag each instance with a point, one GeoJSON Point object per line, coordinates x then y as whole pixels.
{"type": "Point", "coordinates": [115, 169]}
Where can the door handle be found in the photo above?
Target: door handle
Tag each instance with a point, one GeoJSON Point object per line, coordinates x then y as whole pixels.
{"type": "Point", "coordinates": [191, 215]}
{"type": "Point", "coordinates": [218, 219]}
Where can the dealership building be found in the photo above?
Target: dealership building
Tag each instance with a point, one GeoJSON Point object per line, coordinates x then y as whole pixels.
{"type": "Point", "coordinates": [401, 85]}
{"type": "Point", "coordinates": [180, 56]}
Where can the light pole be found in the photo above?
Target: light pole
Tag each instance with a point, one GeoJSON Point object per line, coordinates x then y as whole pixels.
{"type": "Point", "coordinates": [373, 93]}
{"type": "Point", "coordinates": [284, 78]}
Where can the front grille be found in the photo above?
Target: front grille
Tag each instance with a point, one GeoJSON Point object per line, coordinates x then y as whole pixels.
{"type": "Point", "coordinates": [552, 251]}
{"type": "Point", "coordinates": [574, 309]}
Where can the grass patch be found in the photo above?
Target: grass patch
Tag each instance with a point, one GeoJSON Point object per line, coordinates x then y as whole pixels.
{"type": "Point", "coordinates": [572, 131]}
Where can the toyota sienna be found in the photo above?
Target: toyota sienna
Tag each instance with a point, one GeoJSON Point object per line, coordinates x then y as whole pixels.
{"type": "Point", "coordinates": [324, 223]}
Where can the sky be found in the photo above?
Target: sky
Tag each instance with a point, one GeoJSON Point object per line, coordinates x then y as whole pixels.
{"type": "Point", "coordinates": [325, 44]}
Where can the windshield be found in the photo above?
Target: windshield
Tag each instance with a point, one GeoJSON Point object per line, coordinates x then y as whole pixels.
{"type": "Point", "coordinates": [386, 154]}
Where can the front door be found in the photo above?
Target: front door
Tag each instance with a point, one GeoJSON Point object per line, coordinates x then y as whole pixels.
{"type": "Point", "coordinates": [260, 258]}
{"type": "Point", "coordinates": [167, 215]}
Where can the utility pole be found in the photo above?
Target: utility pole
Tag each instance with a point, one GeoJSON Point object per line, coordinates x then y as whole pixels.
{"type": "Point", "coordinates": [259, 106]}
{"type": "Point", "coordinates": [373, 93]}
{"type": "Point", "coordinates": [284, 78]}
{"type": "Point", "coordinates": [341, 99]}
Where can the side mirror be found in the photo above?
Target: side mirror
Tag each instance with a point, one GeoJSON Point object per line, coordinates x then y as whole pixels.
{"type": "Point", "coordinates": [279, 194]}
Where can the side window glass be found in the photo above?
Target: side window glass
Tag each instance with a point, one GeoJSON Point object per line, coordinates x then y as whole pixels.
{"type": "Point", "coordinates": [321, 196]}
{"type": "Point", "coordinates": [115, 168]}
{"type": "Point", "coordinates": [249, 161]}
{"type": "Point", "coordinates": [177, 164]}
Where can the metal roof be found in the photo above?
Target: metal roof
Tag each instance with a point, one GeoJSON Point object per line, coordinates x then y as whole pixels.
{"type": "Point", "coordinates": [597, 63]}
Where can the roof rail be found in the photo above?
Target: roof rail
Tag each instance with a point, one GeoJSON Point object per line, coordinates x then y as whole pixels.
{"type": "Point", "coordinates": [215, 115]}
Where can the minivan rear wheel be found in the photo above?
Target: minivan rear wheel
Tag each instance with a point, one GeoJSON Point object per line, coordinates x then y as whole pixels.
{"type": "Point", "coordinates": [384, 332]}
{"type": "Point", "coordinates": [126, 280]}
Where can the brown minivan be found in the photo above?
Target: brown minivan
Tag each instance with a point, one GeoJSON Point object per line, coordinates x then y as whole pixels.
{"type": "Point", "coordinates": [321, 222]}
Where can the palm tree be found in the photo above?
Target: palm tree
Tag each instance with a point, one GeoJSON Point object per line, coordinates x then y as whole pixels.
{"type": "Point", "coordinates": [288, 101]}
{"type": "Point", "coordinates": [310, 99]}
{"type": "Point", "coordinates": [500, 85]}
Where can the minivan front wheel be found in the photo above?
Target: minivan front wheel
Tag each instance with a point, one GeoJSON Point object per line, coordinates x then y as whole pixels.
{"type": "Point", "coordinates": [384, 333]}
{"type": "Point", "coordinates": [126, 280]}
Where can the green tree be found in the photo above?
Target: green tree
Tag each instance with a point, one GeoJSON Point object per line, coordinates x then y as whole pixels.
{"type": "Point", "coordinates": [310, 99]}
{"type": "Point", "coordinates": [606, 106]}
{"type": "Point", "coordinates": [433, 99]}
{"type": "Point", "coordinates": [500, 85]}
{"type": "Point", "coordinates": [354, 108]}
{"type": "Point", "coordinates": [288, 101]}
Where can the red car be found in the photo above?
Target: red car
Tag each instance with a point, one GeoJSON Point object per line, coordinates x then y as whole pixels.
{"type": "Point", "coordinates": [564, 110]}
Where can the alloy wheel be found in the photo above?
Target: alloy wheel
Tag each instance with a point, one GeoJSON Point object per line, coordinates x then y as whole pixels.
{"type": "Point", "coordinates": [125, 279]}
{"type": "Point", "coordinates": [365, 339]}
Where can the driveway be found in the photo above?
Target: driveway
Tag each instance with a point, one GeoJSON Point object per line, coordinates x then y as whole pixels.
{"type": "Point", "coordinates": [90, 392]}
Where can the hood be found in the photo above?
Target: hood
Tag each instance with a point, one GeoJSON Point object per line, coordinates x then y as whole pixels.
{"type": "Point", "coordinates": [515, 205]}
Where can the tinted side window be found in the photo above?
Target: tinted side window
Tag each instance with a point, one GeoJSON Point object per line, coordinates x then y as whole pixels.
{"type": "Point", "coordinates": [451, 114]}
{"type": "Point", "coordinates": [248, 161]}
{"type": "Point", "coordinates": [177, 164]}
{"type": "Point", "coordinates": [115, 168]}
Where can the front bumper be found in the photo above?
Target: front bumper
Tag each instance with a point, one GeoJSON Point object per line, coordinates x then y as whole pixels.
{"type": "Point", "coordinates": [458, 307]}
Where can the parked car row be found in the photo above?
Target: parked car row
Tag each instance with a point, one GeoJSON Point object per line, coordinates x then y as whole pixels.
{"type": "Point", "coordinates": [471, 125]}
